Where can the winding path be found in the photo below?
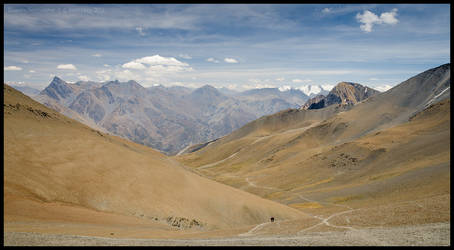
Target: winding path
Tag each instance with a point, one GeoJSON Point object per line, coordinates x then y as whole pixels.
{"type": "Point", "coordinates": [323, 221]}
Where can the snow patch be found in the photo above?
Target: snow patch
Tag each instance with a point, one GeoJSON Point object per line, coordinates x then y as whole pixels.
{"type": "Point", "coordinates": [435, 97]}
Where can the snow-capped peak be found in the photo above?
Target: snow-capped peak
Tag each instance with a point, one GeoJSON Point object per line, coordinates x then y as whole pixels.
{"type": "Point", "coordinates": [285, 88]}
{"type": "Point", "coordinates": [311, 89]}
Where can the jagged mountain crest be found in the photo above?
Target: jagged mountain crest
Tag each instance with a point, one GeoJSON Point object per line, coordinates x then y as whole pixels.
{"type": "Point", "coordinates": [344, 93]}
{"type": "Point", "coordinates": [58, 89]}
{"type": "Point", "coordinates": [167, 118]}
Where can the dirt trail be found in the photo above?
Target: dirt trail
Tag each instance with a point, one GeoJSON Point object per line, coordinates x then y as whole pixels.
{"type": "Point", "coordinates": [218, 162]}
{"type": "Point", "coordinates": [286, 132]}
{"type": "Point", "coordinates": [324, 221]}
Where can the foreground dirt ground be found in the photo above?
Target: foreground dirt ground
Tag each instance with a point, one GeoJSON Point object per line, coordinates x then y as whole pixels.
{"type": "Point", "coordinates": [422, 222]}
{"type": "Point", "coordinates": [437, 234]}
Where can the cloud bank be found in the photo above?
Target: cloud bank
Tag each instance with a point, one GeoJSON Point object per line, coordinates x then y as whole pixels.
{"type": "Point", "coordinates": [67, 66]}
{"type": "Point", "coordinates": [8, 68]}
{"type": "Point", "coordinates": [369, 19]}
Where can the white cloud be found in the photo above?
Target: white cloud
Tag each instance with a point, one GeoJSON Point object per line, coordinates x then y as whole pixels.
{"type": "Point", "coordinates": [300, 81]}
{"type": "Point", "coordinates": [67, 66]}
{"type": "Point", "coordinates": [325, 72]}
{"type": "Point", "coordinates": [15, 83]}
{"type": "Point", "coordinates": [368, 19]}
{"type": "Point", "coordinates": [257, 85]}
{"type": "Point", "coordinates": [84, 78]}
{"type": "Point", "coordinates": [230, 60]}
{"type": "Point", "coordinates": [211, 59]}
{"type": "Point", "coordinates": [125, 75]}
{"type": "Point", "coordinates": [373, 79]}
{"type": "Point", "coordinates": [284, 88]}
{"type": "Point", "coordinates": [31, 71]}
{"type": "Point", "coordinates": [232, 86]}
{"type": "Point", "coordinates": [310, 89]}
{"type": "Point", "coordinates": [160, 60]}
{"type": "Point", "coordinates": [328, 86]}
{"type": "Point", "coordinates": [326, 10]}
{"type": "Point", "coordinates": [185, 56]}
{"type": "Point", "coordinates": [25, 61]}
{"type": "Point", "coordinates": [104, 75]}
{"type": "Point", "coordinates": [280, 79]}
{"type": "Point", "coordinates": [157, 65]}
{"type": "Point", "coordinates": [106, 65]}
{"type": "Point", "coordinates": [97, 55]}
{"type": "Point", "coordinates": [389, 17]}
{"type": "Point", "coordinates": [140, 30]}
{"type": "Point", "coordinates": [383, 88]}
{"type": "Point", "coordinates": [8, 68]}
{"type": "Point", "coordinates": [133, 65]}
{"type": "Point", "coordinates": [146, 70]}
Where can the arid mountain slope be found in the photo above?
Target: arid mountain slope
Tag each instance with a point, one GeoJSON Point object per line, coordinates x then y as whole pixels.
{"type": "Point", "coordinates": [393, 148]}
{"type": "Point", "coordinates": [56, 169]}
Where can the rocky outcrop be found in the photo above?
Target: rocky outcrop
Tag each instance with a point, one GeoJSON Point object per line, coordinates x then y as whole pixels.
{"type": "Point", "coordinates": [344, 93]}
{"type": "Point", "coordinates": [313, 103]}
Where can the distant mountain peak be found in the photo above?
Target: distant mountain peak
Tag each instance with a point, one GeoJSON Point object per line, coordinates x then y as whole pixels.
{"type": "Point", "coordinates": [130, 83]}
{"type": "Point", "coordinates": [58, 89]}
{"type": "Point", "coordinates": [313, 90]}
{"type": "Point", "coordinates": [56, 78]}
{"type": "Point", "coordinates": [207, 86]}
{"type": "Point", "coordinates": [345, 93]}
{"type": "Point", "coordinates": [206, 90]}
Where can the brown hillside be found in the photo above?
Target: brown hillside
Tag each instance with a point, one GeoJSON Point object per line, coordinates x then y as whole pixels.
{"type": "Point", "coordinates": [58, 170]}
{"type": "Point", "coordinates": [393, 147]}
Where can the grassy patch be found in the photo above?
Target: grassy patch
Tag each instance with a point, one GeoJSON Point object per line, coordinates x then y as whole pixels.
{"type": "Point", "coordinates": [346, 198]}
{"type": "Point", "coordinates": [306, 205]}
{"type": "Point", "coordinates": [314, 184]}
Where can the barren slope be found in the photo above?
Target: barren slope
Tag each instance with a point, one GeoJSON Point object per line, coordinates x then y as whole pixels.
{"type": "Point", "coordinates": [391, 150]}
{"type": "Point", "coordinates": [60, 175]}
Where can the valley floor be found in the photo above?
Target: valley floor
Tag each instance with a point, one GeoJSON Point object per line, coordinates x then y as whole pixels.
{"type": "Point", "coordinates": [435, 234]}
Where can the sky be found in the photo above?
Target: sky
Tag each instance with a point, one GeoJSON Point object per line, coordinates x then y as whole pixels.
{"type": "Point", "coordinates": [237, 46]}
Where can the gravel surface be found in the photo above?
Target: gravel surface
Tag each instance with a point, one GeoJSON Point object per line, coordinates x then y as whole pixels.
{"type": "Point", "coordinates": [437, 234]}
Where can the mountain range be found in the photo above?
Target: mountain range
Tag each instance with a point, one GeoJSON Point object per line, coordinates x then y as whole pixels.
{"type": "Point", "coordinates": [26, 90]}
{"type": "Point", "coordinates": [165, 118]}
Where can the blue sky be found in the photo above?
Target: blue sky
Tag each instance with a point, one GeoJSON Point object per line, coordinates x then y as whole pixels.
{"type": "Point", "coordinates": [234, 46]}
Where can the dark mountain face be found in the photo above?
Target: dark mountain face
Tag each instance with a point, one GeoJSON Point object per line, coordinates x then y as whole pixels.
{"type": "Point", "coordinates": [315, 102]}
{"type": "Point", "coordinates": [58, 89]}
{"type": "Point", "coordinates": [344, 93]}
{"type": "Point", "coordinates": [165, 118]}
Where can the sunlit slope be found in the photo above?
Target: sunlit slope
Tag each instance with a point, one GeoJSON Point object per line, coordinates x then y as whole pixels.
{"type": "Point", "coordinates": [51, 159]}
{"type": "Point", "coordinates": [333, 124]}
{"type": "Point", "coordinates": [392, 147]}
